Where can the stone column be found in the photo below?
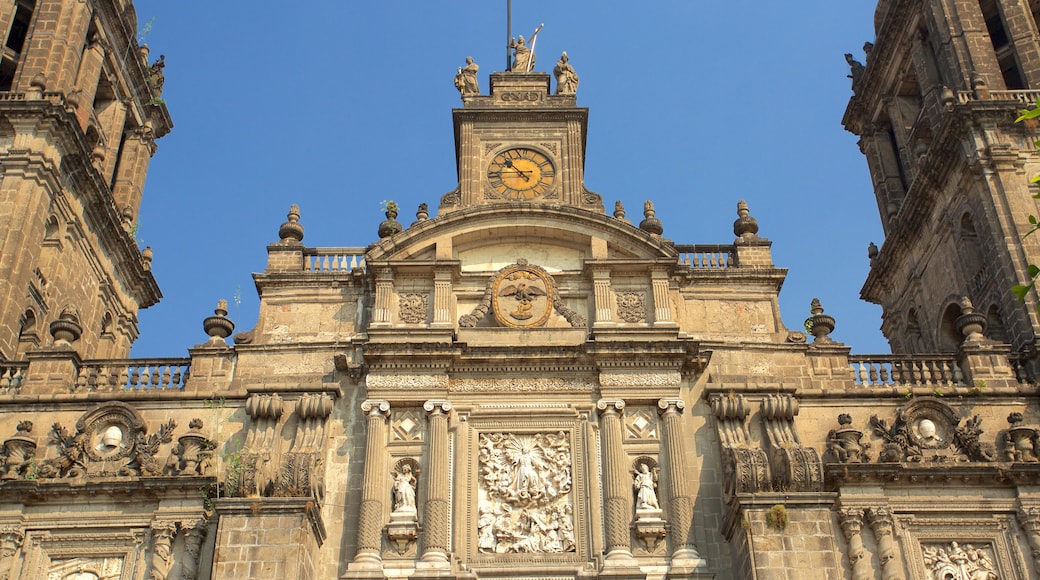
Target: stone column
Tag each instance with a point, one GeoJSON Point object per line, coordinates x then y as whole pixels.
{"type": "Point", "coordinates": [1029, 519]}
{"type": "Point", "coordinates": [888, 556]}
{"type": "Point", "coordinates": [601, 289]}
{"type": "Point", "coordinates": [435, 509]}
{"type": "Point", "coordinates": [662, 305]}
{"type": "Point", "coordinates": [370, 517]}
{"type": "Point", "coordinates": [163, 533]}
{"type": "Point", "coordinates": [442, 297]}
{"type": "Point", "coordinates": [194, 533]}
{"type": "Point", "coordinates": [617, 489]}
{"type": "Point", "coordinates": [384, 292]}
{"type": "Point", "coordinates": [851, 526]}
{"type": "Point", "coordinates": [10, 541]}
{"type": "Point", "coordinates": [680, 515]}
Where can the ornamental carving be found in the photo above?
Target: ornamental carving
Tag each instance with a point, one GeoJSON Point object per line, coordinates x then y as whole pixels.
{"type": "Point", "coordinates": [845, 445]}
{"type": "Point", "coordinates": [525, 484]}
{"type": "Point", "coordinates": [1021, 442]}
{"type": "Point", "coordinates": [929, 431]}
{"type": "Point", "coordinates": [953, 561]}
{"type": "Point", "coordinates": [99, 568]}
{"type": "Point", "coordinates": [109, 441]}
{"type": "Point", "coordinates": [412, 308]}
{"type": "Point", "coordinates": [521, 296]}
{"type": "Point", "coordinates": [18, 455]}
{"type": "Point", "coordinates": [631, 306]}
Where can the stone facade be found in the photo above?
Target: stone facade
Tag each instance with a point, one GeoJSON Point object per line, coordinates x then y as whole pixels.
{"type": "Point", "coordinates": [522, 386]}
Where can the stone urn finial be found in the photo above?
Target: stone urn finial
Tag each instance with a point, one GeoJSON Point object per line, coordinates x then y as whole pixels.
{"type": "Point", "coordinates": [423, 213]}
{"type": "Point", "coordinates": [745, 226]}
{"type": "Point", "coordinates": [218, 326]}
{"type": "Point", "coordinates": [872, 251]}
{"type": "Point", "coordinates": [820, 325]}
{"type": "Point", "coordinates": [390, 225]}
{"type": "Point", "coordinates": [650, 223]}
{"type": "Point", "coordinates": [66, 329]}
{"type": "Point", "coordinates": [619, 211]}
{"type": "Point", "coordinates": [291, 232]}
{"type": "Point", "coordinates": [146, 258]}
{"type": "Point", "coordinates": [971, 324]}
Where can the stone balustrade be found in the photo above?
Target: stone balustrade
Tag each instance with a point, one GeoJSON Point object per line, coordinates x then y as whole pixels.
{"type": "Point", "coordinates": [909, 370]}
{"type": "Point", "coordinates": [705, 256]}
{"type": "Point", "coordinates": [133, 374]}
{"type": "Point", "coordinates": [333, 259]}
{"type": "Point", "coordinates": [1025, 97]}
{"type": "Point", "coordinates": [12, 374]}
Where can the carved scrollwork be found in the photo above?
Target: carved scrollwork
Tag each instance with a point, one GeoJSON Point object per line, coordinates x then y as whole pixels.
{"type": "Point", "coordinates": [543, 286]}
{"type": "Point", "coordinates": [794, 466]}
{"type": "Point", "coordinates": [412, 308]}
{"type": "Point", "coordinates": [929, 431]}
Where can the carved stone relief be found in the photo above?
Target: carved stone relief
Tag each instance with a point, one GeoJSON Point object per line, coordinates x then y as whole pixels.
{"type": "Point", "coordinates": [631, 306]}
{"type": "Point", "coordinates": [524, 495]}
{"type": "Point", "coordinates": [412, 308]}
{"type": "Point", "coordinates": [521, 296]}
{"type": "Point", "coordinates": [640, 424]}
{"type": "Point", "coordinates": [952, 561]}
{"type": "Point", "coordinates": [407, 425]}
{"type": "Point", "coordinates": [110, 440]}
{"type": "Point", "coordinates": [930, 431]}
{"type": "Point", "coordinates": [86, 569]}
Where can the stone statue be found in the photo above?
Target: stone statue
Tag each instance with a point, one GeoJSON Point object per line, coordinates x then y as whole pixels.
{"type": "Point", "coordinates": [404, 489]}
{"type": "Point", "coordinates": [566, 78]}
{"type": "Point", "coordinates": [523, 58]}
{"type": "Point", "coordinates": [466, 78]}
{"type": "Point", "coordinates": [646, 497]}
{"type": "Point", "coordinates": [856, 66]}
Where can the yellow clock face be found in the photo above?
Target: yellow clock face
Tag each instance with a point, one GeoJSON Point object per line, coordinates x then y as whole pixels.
{"type": "Point", "coordinates": [521, 173]}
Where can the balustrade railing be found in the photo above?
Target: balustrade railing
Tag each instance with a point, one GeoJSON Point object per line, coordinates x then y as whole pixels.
{"type": "Point", "coordinates": [704, 256]}
{"type": "Point", "coordinates": [333, 259]}
{"type": "Point", "coordinates": [134, 374]}
{"type": "Point", "coordinates": [908, 370]}
{"type": "Point", "coordinates": [1025, 97]}
{"type": "Point", "coordinates": [12, 374]}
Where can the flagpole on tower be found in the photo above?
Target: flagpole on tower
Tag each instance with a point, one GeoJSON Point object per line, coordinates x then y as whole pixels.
{"type": "Point", "coordinates": [509, 32]}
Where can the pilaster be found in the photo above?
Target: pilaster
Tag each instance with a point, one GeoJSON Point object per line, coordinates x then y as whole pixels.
{"type": "Point", "coordinates": [617, 495]}
{"type": "Point", "coordinates": [436, 510]}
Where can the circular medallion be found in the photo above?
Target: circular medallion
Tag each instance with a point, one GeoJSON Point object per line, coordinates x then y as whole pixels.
{"type": "Point", "coordinates": [522, 297]}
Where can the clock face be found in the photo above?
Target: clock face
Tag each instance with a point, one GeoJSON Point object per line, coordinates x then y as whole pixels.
{"type": "Point", "coordinates": [521, 173]}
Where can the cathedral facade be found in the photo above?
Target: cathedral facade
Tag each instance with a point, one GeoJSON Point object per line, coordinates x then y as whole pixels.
{"type": "Point", "coordinates": [524, 383]}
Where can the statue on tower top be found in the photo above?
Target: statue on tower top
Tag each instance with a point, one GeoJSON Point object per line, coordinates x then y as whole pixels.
{"type": "Point", "coordinates": [523, 55]}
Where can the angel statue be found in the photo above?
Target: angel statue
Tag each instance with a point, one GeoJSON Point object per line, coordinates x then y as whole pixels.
{"type": "Point", "coordinates": [644, 484]}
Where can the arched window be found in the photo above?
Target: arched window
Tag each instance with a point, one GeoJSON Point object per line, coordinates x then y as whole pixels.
{"type": "Point", "coordinates": [949, 338]}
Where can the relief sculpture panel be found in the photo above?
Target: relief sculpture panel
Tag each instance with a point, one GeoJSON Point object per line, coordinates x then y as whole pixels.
{"type": "Point", "coordinates": [525, 504]}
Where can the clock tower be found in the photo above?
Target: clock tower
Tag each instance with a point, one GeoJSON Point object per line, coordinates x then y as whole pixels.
{"type": "Point", "coordinates": [520, 144]}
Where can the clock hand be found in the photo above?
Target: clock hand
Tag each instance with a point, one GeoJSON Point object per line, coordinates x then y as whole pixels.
{"type": "Point", "coordinates": [521, 173]}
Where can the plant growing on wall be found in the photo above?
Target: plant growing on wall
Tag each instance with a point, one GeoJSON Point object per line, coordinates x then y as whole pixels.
{"type": "Point", "coordinates": [1030, 117]}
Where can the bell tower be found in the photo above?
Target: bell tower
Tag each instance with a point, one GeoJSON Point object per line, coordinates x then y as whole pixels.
{"type": "Point", "coordinates": [520, 144]}
{"type": "Point", "coordinates": [934, 106]}
{"type": "Point", "coordinates": [80, 109]}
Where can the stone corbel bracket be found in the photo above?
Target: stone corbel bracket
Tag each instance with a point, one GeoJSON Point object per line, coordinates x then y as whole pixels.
{"type": "Point", "coordinates": [795, 467]}
{"type": "Point", "coordinates": [745, 467]}
{"type": "Point", "coordinates": [353, 368]}
{"type": "Point", "coordinates": [254, 473]}
{"type": "Point", "coordinates": [302, 467]}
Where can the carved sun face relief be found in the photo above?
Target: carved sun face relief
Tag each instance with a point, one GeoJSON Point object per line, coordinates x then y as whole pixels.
{"type": "Point", "coordinates": [521, 174]}
{"type": "Point", "coordinates": [522, 297]}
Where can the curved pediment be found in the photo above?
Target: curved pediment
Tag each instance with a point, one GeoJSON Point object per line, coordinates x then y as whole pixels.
{"type": "Point", "coordinates": [487, 238]}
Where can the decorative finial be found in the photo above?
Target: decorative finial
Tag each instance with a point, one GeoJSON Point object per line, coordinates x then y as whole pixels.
{"type": "Point", "coordinates": [66, 329]}
{"type": "Point", "coordinates": [38, 82]}
{"type": "Point", "coordinates": [291, 232]}
{"type": "Point", "coordinates": [619, 212]}
{"type": "Point", "coordinates": [971, 324]}
{"type": "Point", "coordinates": [745, 226]}
{"type": "Point", "coordinates": [819, 325]}
{"type": "Point", "coordinates": [218, 326]}
{"type": "Point", "coordinates": [390, 225]}
{"type": "Point", "coordinates": [651, 224]}
{"type": "Point", "coordinates": [872, 251]}
{"type": "Point", "coordinates": [146, 258]}
{"type": "Point", "coordinates": [423, 213]}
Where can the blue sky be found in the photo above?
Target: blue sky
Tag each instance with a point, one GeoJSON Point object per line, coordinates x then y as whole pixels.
{"type": "Point", "coordinates": [338, 105]}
